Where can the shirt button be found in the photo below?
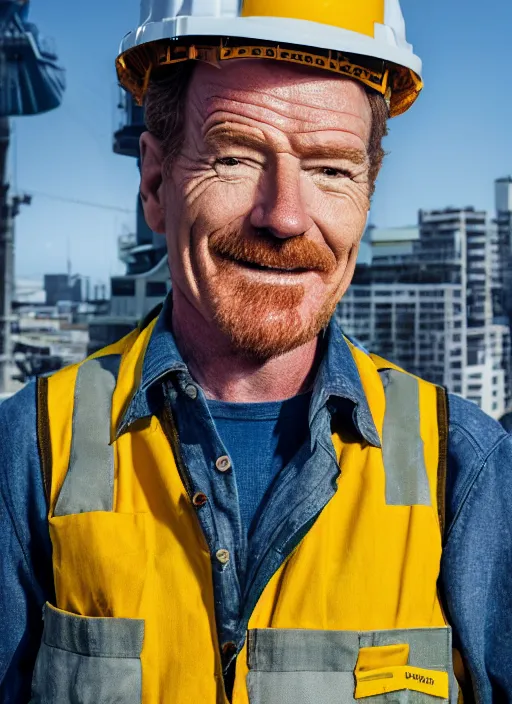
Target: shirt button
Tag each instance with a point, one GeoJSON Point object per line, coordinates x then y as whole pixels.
{"type": "Point", "coordinates": [191, 391]}
{"type": "Point", "coordinates": [199, 499]}
{"type": "Point", "coordinates": [222, 556]}
{"type": "Point", "coordinates": [223, 463]}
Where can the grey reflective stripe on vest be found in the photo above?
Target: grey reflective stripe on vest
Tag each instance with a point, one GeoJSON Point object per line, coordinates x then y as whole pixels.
{"type": "Point", "coordinates": [303, 666]}
{"type": "Point", "coordinates": [402, 446]}
{"type": "Point", "coordinates": [89, 482]}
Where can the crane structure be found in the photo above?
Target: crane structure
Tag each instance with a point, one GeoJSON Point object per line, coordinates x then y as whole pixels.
{"type": "Point", "coordinates": [31, 82]}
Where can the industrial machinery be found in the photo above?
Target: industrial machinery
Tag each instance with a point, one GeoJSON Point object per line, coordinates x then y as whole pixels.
{"type": "Point", "coordinates": [31, 82]}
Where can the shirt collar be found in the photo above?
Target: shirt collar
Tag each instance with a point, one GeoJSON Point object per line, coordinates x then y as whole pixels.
{"type": "Point", "coordinates": [161, 358]}
{"type": "Point", "coordinates": [337, 377]}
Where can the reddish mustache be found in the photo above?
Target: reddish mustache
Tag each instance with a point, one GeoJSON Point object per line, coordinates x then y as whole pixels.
{"type": "Point", "coordinates": [265, 250]}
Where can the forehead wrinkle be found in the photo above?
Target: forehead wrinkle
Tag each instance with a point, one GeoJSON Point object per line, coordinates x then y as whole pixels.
{"type": "Point", "coordinates": [285, 109]}
{"type": "Point", "coordinates": [277, 130]}
{"type": "Point", "coordinates": [282, 95]}
{"type": "Point", "coordinates": [270, 138]}
{"type": "Point", "coordinates": [312, 93]}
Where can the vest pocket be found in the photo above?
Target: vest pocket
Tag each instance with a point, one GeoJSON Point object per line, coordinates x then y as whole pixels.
{"type": "Point", "coordinates": [86, 660]}
{"type": "Point", "coordinates": [407, 666]}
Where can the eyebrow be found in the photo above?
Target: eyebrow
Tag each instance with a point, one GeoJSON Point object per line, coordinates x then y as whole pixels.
{"type": "Point", "coordinates": [224, 137]}
{"type": "Point", "coordinates": [335, 151]}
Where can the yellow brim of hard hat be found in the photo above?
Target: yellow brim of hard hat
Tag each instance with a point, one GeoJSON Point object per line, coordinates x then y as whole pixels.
{"type": "Point", "coordinates": [399, 85]}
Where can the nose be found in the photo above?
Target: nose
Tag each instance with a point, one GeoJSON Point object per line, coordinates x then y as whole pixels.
{"type": "Point", "coordinates": [281, 208]}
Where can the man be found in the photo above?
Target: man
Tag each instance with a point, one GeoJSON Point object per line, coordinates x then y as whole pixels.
{"type": "Point", "coordinates": [235, 502]}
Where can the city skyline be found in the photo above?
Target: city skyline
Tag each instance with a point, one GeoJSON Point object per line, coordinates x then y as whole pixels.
{"type": "Point", "coordinates": [435, 299]}
{"type": "Point", "coordinates": [445, 152]}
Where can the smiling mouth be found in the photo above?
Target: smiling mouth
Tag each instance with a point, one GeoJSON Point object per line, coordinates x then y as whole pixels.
{"type": "Point", "coordinates": [268, 268]}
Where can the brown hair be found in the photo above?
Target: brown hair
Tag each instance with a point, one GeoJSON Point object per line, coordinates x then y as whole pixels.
{"type": "Point", "coordinates": [165, 116]}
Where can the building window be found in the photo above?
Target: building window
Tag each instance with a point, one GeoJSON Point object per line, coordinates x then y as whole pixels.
{"type": "Point", "coordinates": [475, 399]}
{"type": "Point", "coordinates": [156, 289]}
{"type": "Point", "coordinates": [122, 286]}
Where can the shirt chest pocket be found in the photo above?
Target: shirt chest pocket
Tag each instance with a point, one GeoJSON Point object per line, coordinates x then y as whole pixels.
{"type": "Point", "coordinates": [409, 666]}
{"type": "Point", "coordinates": [88, 660]}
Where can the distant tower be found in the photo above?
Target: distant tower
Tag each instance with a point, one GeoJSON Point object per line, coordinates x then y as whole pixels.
{"type": "Point", "coordinates": [502, 279]}
{"type": "Point", "coordinates": [69, 268]}
{"type": "Point", "coordinates": [31, 82]}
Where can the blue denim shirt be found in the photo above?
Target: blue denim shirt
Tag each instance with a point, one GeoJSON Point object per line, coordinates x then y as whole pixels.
{"type": "Point", "coordinates": [476, 576]}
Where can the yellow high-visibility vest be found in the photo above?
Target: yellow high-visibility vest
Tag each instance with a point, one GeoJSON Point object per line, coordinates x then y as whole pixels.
{"type": "Point", "coordinates": [353, 612]}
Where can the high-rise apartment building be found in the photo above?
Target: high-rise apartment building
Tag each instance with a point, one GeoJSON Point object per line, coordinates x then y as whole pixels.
{"type": "Point", "coordinates": [426, 303]}
{"type": "Point", "coordinates": [502, 250]}
{"type": "Point", "coordinates": [421, 327]}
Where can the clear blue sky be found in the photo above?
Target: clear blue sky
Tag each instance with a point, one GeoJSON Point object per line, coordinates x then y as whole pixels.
{"type": "Point", "coordinates": [446, 151]}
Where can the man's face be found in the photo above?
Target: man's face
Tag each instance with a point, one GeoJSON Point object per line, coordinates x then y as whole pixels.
{"type": "Point", "coordinates": [266, 204]}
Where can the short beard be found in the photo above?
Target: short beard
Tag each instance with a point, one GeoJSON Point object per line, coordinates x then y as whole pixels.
{"type": "Point", "coordinates": [261, 320]}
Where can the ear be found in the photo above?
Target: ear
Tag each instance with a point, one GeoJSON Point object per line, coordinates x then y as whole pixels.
{"type": "Point", "coordinates": [151, 182]}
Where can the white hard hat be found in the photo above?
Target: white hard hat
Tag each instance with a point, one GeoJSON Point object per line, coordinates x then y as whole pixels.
{"type": "Point", "coordinates": [361, 39]}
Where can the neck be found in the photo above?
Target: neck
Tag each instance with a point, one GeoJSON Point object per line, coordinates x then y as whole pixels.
{"type": "Point", "coordinates": [227, 375]}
